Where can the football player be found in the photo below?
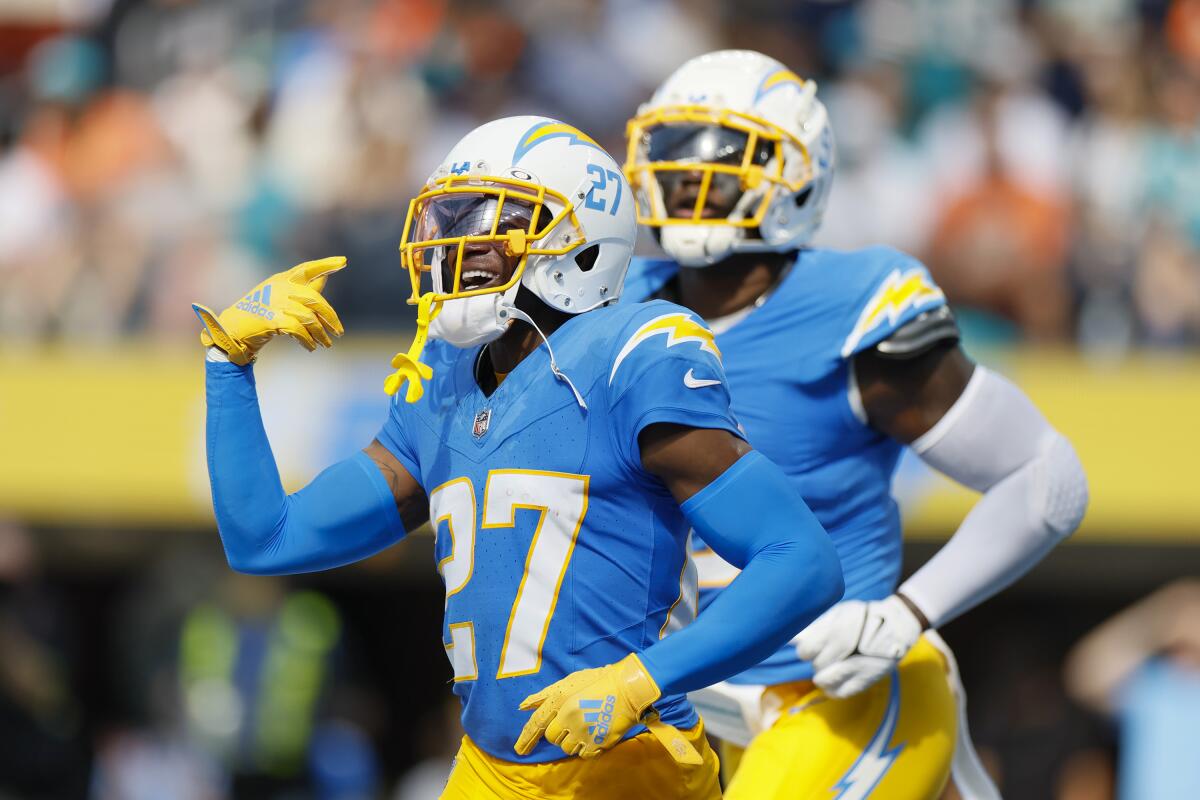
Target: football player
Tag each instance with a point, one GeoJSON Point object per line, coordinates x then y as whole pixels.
{"type": "Point", "coordinates": [836, 361]}
{"type": "Point", "coordinates": [563, 446]}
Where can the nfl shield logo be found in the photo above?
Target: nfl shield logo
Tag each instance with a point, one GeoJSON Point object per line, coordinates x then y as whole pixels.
{"type": "Point", "coordinates": [482, 420]}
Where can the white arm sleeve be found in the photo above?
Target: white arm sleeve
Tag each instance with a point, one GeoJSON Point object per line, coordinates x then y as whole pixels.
{"type": "Point", "coordinates": [995, 441]}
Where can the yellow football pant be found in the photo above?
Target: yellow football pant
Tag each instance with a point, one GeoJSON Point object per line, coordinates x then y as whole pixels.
{"type": "Point", "coordinates": [636, 768]}
{"type": "Point", "coordinates": [894, 741]}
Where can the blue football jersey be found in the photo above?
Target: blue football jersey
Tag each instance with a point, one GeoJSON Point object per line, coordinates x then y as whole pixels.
{"type": "Point", "coordinates": [558, 550]}
{"type": "Point", "coordinates": [788, 366]}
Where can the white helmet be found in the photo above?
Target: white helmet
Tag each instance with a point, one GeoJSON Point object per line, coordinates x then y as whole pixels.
{"type": "Point", "coordinates": [741, 123]}
{"type": "Point", "coordinates": [544, 191]}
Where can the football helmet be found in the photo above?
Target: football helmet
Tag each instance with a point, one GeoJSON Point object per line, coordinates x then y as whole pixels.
{"type": "Point", "coordinates": [733, 153]}
{"type": "Point", "coordinates": [541, 192]}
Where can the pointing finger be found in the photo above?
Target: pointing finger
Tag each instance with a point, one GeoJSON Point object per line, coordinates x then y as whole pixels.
{"type": "Point", "coordinates": [313, 273]}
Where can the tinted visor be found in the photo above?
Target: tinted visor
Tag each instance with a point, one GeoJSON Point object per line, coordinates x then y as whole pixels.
{"type": "Point", "coordinates": [453, 215]}
{"type": "Point", "coordinates": [712, 144]}
{"type": "Point", "coordinates": [463, 217]}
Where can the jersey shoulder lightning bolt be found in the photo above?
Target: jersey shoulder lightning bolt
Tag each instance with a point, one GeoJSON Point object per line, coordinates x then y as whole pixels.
{"type": "Point", "coordinates": [900, 288]}
{"type": "Point", "coordinates": [676, 325]}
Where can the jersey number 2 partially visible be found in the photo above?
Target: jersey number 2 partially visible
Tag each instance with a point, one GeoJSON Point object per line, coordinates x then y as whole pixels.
{"type": "Point", "coordinates": [561, 500]}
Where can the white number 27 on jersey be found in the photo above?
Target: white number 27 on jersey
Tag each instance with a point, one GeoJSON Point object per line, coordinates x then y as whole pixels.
{"type": "Point", "coordinates": [561, 500]}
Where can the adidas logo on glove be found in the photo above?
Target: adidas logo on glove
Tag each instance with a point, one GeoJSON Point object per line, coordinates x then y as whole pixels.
{"type": "Point", "coordinates": [257, 303]}
{"type": "Point", "coordinates": [599, 720]}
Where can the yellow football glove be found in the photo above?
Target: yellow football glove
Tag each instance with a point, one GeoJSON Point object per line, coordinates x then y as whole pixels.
{"type": "Point", "coordinates": [288, 302]}
{"type": "Point", "coordinates": [589, 711]}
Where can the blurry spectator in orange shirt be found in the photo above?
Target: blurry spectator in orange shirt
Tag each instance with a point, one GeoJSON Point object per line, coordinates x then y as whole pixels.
{"type": "Point", "coordinates": [1000, 245]}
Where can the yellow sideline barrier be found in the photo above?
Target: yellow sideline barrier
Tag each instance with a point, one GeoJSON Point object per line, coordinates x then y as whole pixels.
{"type": "Point", "coordinates": [116, 436]}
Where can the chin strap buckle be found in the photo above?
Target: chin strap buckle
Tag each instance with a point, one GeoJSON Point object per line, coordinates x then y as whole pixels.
{"type": "Point", "coordinates": [408, 365]}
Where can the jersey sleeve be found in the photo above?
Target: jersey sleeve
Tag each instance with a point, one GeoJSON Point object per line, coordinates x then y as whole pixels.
{"type": "Point", "coordinates": [896, 290]}
{"type": "Point", "coordinates": [667, 368]}
{"type": "Point", "coordinates": [396, 437]}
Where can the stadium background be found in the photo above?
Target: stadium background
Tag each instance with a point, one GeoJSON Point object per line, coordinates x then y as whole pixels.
{"type": "Point", "coordinates": [1043, 157]}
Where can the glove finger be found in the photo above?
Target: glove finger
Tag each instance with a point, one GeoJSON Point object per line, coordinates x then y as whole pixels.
{"type": "Point", "coordinates": [821, 650]}
{"type": "Point", "coordinates": [320, 306]}
{"type": "Point", "coordinates": [292, 327]}
{"type": "Point", "coordinates": [312, 325]}
{"type": "Point", "coordinates": [830, 655]}
{"type": "Point", "coordinates": [830, 679]}
{"type": "Point", "coordinates": [557, 733]}
{"type": "Point", "coordinates": [848, 678]}
{"type": "Point", "coordinates": [535, 727]}
{"type": "Point", "coordinates": [834, 636]}
{"type": "Point", "coordinates": [589, 752]}
{"type": "Point", "coordinates": [810, 640]}
{"type": "Point", "coordinates": [572, 745]}
{"type": "Point", "coordinates": [534, 700]}
{"type": "Point", "coordinates": [314, 273]}
{"type": "Point", "coordinates": [808, 644]}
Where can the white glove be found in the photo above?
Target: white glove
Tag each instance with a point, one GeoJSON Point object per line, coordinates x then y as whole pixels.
{"type": "Point", "coordinates": [855, 643]}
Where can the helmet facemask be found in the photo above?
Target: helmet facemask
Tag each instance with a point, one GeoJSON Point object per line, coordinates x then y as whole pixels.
{"type": "Point", "coordinates": [456, 220]}
{"type": "Point", "coordinates": [706, 179]}
{"type": "Point", "coordinates": [470, 239]}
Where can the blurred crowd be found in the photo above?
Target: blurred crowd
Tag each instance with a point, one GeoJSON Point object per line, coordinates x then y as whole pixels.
{"type": "Point", "coordinates": [1043, 156]}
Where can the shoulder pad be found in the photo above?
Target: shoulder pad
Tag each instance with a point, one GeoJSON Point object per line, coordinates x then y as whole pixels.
{"type": "Point", "coordinates": [920, 334]}
{"type": "Point", "coordinates": [892, 291]}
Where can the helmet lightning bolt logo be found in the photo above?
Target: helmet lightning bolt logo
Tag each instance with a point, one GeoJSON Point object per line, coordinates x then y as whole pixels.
{"type": "Point", "coordinates": [678, 328]}
{"type": "Point", "coordinates": [776, 79]}
{"type": "Point", "coordinates": [898, 293]}
{"type": "Point", "coordinates": [866, 773]}
{"type": "Point", "coordinates": [546, 130]}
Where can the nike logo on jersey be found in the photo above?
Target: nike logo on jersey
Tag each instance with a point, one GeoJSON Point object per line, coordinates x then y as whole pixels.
{"type": "Point", "coordinates": [678, 328]}
{"type": "Point", "coordinates": [692, 382]}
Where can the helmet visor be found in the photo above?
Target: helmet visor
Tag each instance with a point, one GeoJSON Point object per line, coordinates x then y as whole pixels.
{"type": "Point", "coordinates": [693, 165]}
{"type": "Point", "coordinates": [698, 145]}
{"type": "Point", "coordinates": [493, 223]}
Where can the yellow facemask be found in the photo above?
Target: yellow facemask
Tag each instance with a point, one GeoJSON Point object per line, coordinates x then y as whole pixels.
{"type": "Point", "coordinates": [767, 156]}
{"type": "Point", "coordinates": [459, 210]}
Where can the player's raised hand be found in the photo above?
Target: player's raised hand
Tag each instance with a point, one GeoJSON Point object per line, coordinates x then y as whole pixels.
{"type": "Point", "coordinates": [288, 303]}
{"type": "Point", "coordinates": [589, 711]}
{"type": "Point", "coordinates": [855, 643]}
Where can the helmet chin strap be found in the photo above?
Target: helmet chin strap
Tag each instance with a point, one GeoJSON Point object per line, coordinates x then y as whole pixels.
{"type": "Point", "coordinates": [517, 313]}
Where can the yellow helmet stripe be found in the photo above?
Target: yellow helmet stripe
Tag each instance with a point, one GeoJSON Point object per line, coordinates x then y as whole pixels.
{"type": "Point", "coordinates": [780, 77]}
{"type": "Point", "coordinates": [544, 131]}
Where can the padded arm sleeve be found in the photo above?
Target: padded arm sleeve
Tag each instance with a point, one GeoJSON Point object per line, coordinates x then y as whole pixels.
{"type": "Point", "coordinates": [755, 519]}
{"type": "Point", "coordinates": [994, 440]}
{"type": "Point", "coordinates": [345, 514]}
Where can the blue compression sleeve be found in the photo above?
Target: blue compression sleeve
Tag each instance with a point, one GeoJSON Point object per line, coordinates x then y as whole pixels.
{"type": "Point", "coordinates": [755, 519]}
{"type": "Point", "coordinates": [345, 514]}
